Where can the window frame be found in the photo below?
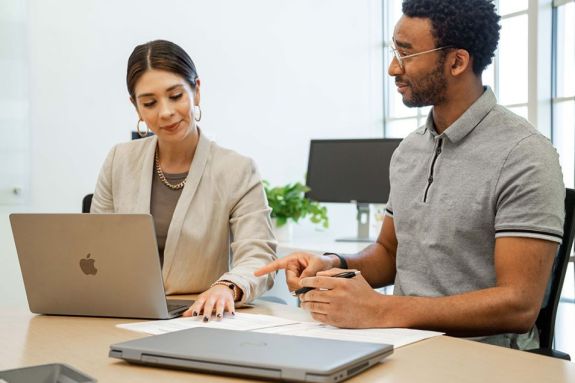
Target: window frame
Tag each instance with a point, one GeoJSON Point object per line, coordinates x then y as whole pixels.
{"type": "Point", "coordinates": [555, 99]}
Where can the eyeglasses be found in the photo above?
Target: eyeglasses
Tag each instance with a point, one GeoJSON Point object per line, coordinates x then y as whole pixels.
{"type": "Point", "coordinates": [401, 57]}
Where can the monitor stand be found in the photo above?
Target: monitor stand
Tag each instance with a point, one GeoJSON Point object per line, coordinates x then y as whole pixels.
{"type": "Point", "coordinates": [362, 225]}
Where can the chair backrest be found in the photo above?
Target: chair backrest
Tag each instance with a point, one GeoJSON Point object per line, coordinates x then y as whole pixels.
{"type": "Point", "coordinates": [87, 200]}
{"type": "Point", "coordinates": [87, 203]}
{"type": "Point", "coordinates": [546, 319]}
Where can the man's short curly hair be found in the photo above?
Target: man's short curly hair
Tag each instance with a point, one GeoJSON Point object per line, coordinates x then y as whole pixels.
{"type": "Point", "coordinates": [472, 25]}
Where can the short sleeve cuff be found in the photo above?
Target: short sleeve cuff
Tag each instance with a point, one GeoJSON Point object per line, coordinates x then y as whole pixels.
{"type": "Point", "coordinates": [538, 234]}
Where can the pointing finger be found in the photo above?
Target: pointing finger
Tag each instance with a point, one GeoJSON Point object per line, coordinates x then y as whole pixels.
{"type": "Point", "coordinates": [276, 265]}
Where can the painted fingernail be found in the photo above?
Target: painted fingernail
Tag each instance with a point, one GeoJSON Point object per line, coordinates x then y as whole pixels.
{"type": "Point", "coordinates": [194, 314]}
{"type": "Point", "coordinates": [206, 319]}
{"type": "Point", "coordinates": [219, 315]}
{"type": "Point", "coordinates": [233, 313]}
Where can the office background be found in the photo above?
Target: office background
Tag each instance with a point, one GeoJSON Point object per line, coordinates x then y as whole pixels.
{"type": "Point", "coordinates": [274, 74]}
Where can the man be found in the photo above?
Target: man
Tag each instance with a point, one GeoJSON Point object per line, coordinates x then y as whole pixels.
{"type": "Point", "coordinates": [475, 213]}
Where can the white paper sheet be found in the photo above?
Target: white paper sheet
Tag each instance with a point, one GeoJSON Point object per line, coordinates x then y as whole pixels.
{"type": "Point", "coordinates": [396, 336]}
{"type": "Point", "coordinates": [266, 323]}
{"type": "Point", "coordinates": [241, 321]}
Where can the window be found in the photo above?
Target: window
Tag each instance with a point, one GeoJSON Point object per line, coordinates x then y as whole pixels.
{"type": "Point", "coordinates": [511, 61]}
{"type": "Point", "coordinates": [563, 128]}
{"type": "Point", "coordinates": [564, 89]}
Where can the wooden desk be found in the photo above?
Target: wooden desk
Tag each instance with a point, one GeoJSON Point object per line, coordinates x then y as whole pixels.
{"type": "Point", "coordinates": [27, 339]}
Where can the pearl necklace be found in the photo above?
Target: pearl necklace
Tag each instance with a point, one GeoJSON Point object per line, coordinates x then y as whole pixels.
{"type": "Point", "coordinates": [163, 177]}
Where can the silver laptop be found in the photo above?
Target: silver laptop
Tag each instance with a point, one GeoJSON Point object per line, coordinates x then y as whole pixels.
{"type": "Point", "coordinates": [248, 353]}
{"type": "Point", "coordinates": [92, 264]}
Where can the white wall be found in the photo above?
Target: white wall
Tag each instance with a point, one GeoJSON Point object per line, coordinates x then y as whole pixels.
{"type": "Point", "coordinates": [274, 75]}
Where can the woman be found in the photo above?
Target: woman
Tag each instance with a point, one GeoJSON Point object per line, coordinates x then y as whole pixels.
{"type": "Point", "coordinates": [204, 199]}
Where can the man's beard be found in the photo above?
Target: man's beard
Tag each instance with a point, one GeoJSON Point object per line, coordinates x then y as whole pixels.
{"type": "Point", "coordinates": [429, 90]}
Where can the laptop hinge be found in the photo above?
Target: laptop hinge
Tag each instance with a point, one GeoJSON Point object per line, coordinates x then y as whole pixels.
{"type": "Point", "coordinates": [125, 354]}
{"type": "Point", "coordinates": [221, 368]}
{"type": "Point", "coordinates": [290, 374]}
{"type": "Point", "coordinates": [115, 354]}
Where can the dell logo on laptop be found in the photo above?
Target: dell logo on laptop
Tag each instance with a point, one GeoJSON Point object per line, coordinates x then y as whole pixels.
{"type": "Point", "coordinates": [87, 265]}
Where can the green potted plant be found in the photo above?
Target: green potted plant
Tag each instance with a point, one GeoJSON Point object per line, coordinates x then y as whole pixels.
{"type": "Point", "coordinates": [289, 204]}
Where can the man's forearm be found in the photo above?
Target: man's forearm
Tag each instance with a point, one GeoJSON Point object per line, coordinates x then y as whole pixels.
{"type": "Point", "coordinates": [482, 312]}
{"type": "Point", "coordinates": [375, 263]}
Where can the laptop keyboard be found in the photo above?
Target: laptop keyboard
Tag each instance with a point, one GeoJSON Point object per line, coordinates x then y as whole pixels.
{"type": "Point", "coordinates": [175, 306]}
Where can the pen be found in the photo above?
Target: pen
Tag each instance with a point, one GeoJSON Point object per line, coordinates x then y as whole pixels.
{"type": "Point", "coordinates": [345, 274]}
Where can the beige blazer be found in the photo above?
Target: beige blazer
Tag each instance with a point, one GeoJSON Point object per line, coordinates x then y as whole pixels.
{"type": "Point", "coordinates": [221, 225]}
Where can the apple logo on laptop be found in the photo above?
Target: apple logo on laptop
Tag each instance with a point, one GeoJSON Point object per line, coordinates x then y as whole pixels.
{"type": "Point", "coordinates": [87, 265]}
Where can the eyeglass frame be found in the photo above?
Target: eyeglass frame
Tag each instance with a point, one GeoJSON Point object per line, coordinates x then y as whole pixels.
{"type": "Point", "coordinates": [400, 58]}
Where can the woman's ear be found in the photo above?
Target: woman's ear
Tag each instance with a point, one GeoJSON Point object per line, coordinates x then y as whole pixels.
{"type": "Point", "coordinates": [197, 92]}
{"type": "Point", "coordinates": [461, 61]}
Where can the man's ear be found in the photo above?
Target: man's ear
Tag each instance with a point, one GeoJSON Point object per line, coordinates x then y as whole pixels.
{"type": "Point", "coordinates": [460, 61]}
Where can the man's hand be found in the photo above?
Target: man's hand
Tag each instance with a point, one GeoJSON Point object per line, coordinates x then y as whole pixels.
{"type": "Point", "coordinates": [341, 302]}
{"type": "Point", "coordinates": [298, 266]}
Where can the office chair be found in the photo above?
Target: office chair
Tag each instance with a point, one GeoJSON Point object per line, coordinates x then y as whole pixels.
{"type": "Point", "coordinates": [87, 203]}
{"type": "Point", "coordinates": [546, 320]}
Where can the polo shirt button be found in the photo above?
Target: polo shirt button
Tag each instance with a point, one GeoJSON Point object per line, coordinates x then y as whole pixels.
{"type": "Point", "coordinates": [430, 179]}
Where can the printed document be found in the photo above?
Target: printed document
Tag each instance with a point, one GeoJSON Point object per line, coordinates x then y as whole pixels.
{"type": "Point", "coordinates": [266, 323]}
{"type": "Point", "coordinates": [240, 321]}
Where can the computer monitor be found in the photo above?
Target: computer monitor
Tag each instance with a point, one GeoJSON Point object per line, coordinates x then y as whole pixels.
{"type": "Point", "coordinates": [351, 170]}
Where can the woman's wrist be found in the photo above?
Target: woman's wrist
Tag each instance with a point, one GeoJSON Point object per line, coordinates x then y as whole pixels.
{"type": "Point", "coordinates": [237, 293]}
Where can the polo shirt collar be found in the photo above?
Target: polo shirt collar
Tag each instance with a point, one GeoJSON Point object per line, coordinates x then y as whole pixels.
{"type": "Point", "coordinates": [467, 121]}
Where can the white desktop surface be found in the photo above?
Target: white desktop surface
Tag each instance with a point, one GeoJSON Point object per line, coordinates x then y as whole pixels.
{"type": "Point", "coordinates": [320, 246]}
{"type": "Point", "coordinates": [319, 242]}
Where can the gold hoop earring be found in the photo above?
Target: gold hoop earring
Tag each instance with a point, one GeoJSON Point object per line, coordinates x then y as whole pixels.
{"type": "Point", "coordinates": [140, 133]}
{"type": "Point", "coordinates": [197, 107]}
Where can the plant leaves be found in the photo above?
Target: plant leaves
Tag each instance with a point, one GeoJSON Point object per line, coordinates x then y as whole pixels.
{"type": "Point", "coordinates": [289, 202]}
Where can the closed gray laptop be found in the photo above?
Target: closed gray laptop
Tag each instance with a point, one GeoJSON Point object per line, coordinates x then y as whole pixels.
{"type": "Point", "coordinates": [248, 353]}
{"type": "Point", "coordinates": [92, 264]}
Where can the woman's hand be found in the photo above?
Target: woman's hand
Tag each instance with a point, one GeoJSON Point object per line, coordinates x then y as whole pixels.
{"type": "Point", "coordinates": [216, 300]}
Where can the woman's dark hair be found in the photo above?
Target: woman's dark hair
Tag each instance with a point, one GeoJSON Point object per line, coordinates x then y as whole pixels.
{"type": "Point", "coordinates": [472, 25]}
{"type": "Point", "coordinates": [163, 55]}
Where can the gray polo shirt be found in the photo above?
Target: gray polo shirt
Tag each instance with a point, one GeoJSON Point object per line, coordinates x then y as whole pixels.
{"type": "Point", "coordinates": [491, 174]}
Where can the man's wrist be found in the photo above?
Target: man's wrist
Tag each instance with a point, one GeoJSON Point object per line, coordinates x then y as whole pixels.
{"type": "Point", "coordinates": [337, 260]}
